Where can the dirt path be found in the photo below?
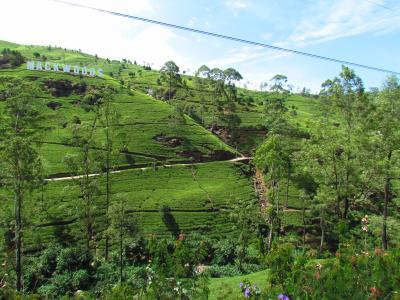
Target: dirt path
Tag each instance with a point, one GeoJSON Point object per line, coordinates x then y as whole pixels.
{"type": "Point", "coordinates": [261, 190]}
{"type": "Point", "coordinates": [242, 158]}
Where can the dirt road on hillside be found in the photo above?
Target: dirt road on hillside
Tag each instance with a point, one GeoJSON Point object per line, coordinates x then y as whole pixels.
{"type": "Point", "coordinates": [242, 158]}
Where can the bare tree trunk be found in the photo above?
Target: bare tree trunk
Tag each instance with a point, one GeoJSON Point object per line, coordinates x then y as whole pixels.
{"type": "Point", "coordinates": [277, 199]}
{"type": "Point", "coordinates": [321, 245]}
{"type": "Point", "coordinates": [120, 253]}
{"type": "Point", "coordinates": [347, 189]}
{"type": "Point", "coordinates": [384, 219]}
{"type": "Point", "coordinates": [287, 187]}
{"type": "Point", "coordinates": [346, 207]}
{"type": "Point", "coordinates": [337, 188]}
{"type": "Point", "coordinates": [385, 207]}
{"type": "Point", "coordinates": [88, 192]}
{"type": "Point", "coordinates": [88, 201]}
{"type": "Point", "coordinates": [18, 237]}
{"type": "Point", "coordinates": [170, 84]}
{"type": "Point", "coordinates": [107, 180]}
{"type": "Point", "coordinates": [107, 201]}
{"type": "Point", "coordinates": [271, 228]}
{"type": "Point", "coordinates": [280, 224]}
{"type": "Point", "coordinates": [304, 220]}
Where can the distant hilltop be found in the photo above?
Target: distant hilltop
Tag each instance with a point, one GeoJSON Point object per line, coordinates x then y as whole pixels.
{"type": "Point", "coordinates": [66, 68]}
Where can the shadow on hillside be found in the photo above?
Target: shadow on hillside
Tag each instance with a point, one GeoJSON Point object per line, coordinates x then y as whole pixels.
{"type": "Point", "coordinates": [62, 234]}
{"type": "Point", "coordinates": [169, 220]}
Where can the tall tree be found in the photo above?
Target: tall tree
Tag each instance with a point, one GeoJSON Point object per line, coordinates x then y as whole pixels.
{"type": "Point", "coordinates": [202, 75]}
{"type": "Point", "coordinates": [272, 158]}
{"type": "Point", "coordinates": [84, 163]}
{"type": "Point", "coordinates": [383, 124]}
{"type": "Point", "coordinates": [278, 83]}
{"type": "Point", "coordinates": [217, 86]}
{"type": "Point", "coordinates": [232, 76]}
{"type": "Point", "coordinates": [170, 74]}
{"type": "Point", "coordinates": [20, 166]}
{"type": "Point", "coordinates": [224, 97]}
{"type": "Point", "coordinates": [275, 110]}
{"type": "Point", "coordinates": [108, 117]}
{"type": "Point", "coordinates": [277, 122]}
{"type": "Point", "coordinates": [345, 105]}
{"type": "Point", "coordinates": [121, 226]}
{"type": "Point", "coordinates": [388, 122]}
{"type": "Point", "coordinates": [243, 215]}
{"type": "Point", "coordinates": [203, 71]}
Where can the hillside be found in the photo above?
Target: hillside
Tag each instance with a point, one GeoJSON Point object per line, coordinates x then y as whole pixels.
{"type": "Point", "coordinates": [195, 204]}
{"type": "Point", "coordinates": [150, 182]}
{"type": "Point", "coordinates": [194, 98]}
{"type": "Point", "coordinates": [146, 137]}
{"type": "Point", "coordinates": [141, 118]}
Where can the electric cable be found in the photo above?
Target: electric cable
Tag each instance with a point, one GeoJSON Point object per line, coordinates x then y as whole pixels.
{"type": "Point", "coordinates": [235, 39]}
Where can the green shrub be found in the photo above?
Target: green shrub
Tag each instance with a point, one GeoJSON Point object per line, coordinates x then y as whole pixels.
{"type": "Point", "coordinates": [59, 285]}
{"type": "Point", "coordinates": [47, 261]}
{"type": "Point", "coordinates": [72, 259]}
{"type": "Point", "coordinates": [136, 277]}
{"type": "Point", "coordinates": [248, 268]}
{"type": "Point", "coordinates": [9, 293]}
{"type": "Point", "coordinates": [352, 274]}
{"type": "Point", "coordinates": [280, 261]}
{"type": "Point", "coordinates": [223, 271]}
{"type": "Point", "coordinates": [202, 246]}
{"type": "Point", "coordinates": [120, 292]}
{"type": "Point", "coordinates": [106, 277]}
{"type": "Point", "coordinates": [224, 252]}
{"type": "Point", "coordinates": [81, 280]}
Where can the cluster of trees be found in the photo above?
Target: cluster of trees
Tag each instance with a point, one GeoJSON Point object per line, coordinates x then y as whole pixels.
{"type": "Point", "coordinates": [219, 83]}
{"type": "Point", "coordinates": [22, 173]}
{"type": "Point", "coordinates": [347, 161]}
{"type": "Point", "coordinates": [21, 129]}
{"type": "Point", "coordinates": [224, 96]}
{"type": "Point", "coordinates": [168, 267]}
{"type": "Point", "coordinates": [11, 58]}
{"type": "Point", "coordinates": [351, 274]}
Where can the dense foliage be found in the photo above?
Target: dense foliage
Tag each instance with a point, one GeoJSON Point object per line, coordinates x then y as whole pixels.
{"type": "Point", "coordinates": [324, 227]}
{"type": "Point", "coordinates": [170, 268]}
{"type": "Point", "coordinates": [351, 274]}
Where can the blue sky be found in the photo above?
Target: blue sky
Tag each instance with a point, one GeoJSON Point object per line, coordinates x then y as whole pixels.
{"type": "Point", "coordinates": [362, 31]}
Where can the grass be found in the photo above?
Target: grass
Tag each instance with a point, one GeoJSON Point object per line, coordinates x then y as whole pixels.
{"type": "Point", "coordinates": [228, 287]}
{"type": "Point", "coordinates": [193, 95]}
{"type": "Point", "coordinates": [197, 203]}
{"type": "Point", "coordinates": [141, 118]}
{"type": "Point", "coordinates": [200, 197]}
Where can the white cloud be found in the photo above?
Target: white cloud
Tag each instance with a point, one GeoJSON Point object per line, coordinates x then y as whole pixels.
{"type": "Point", "coordinates": [125, 6]}
{"type": "Point", "coordinates": [44, 22]}
{"type": "Point", "coordinates": [248, 55]}
{"type": "Point", "coordinates": [154, 43]}
{"type": "Point", "coordinates": [325, 21]}
{"type": "Point", "coordinates": [237, 5]}
{"type": "Point", "coordinates": [341, 19]}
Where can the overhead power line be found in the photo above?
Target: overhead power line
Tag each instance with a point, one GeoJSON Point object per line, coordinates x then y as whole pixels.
{"type": "Point", "coordinates": [382, 5]}
{"type": "Point", "coordinates": [287, 50]}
